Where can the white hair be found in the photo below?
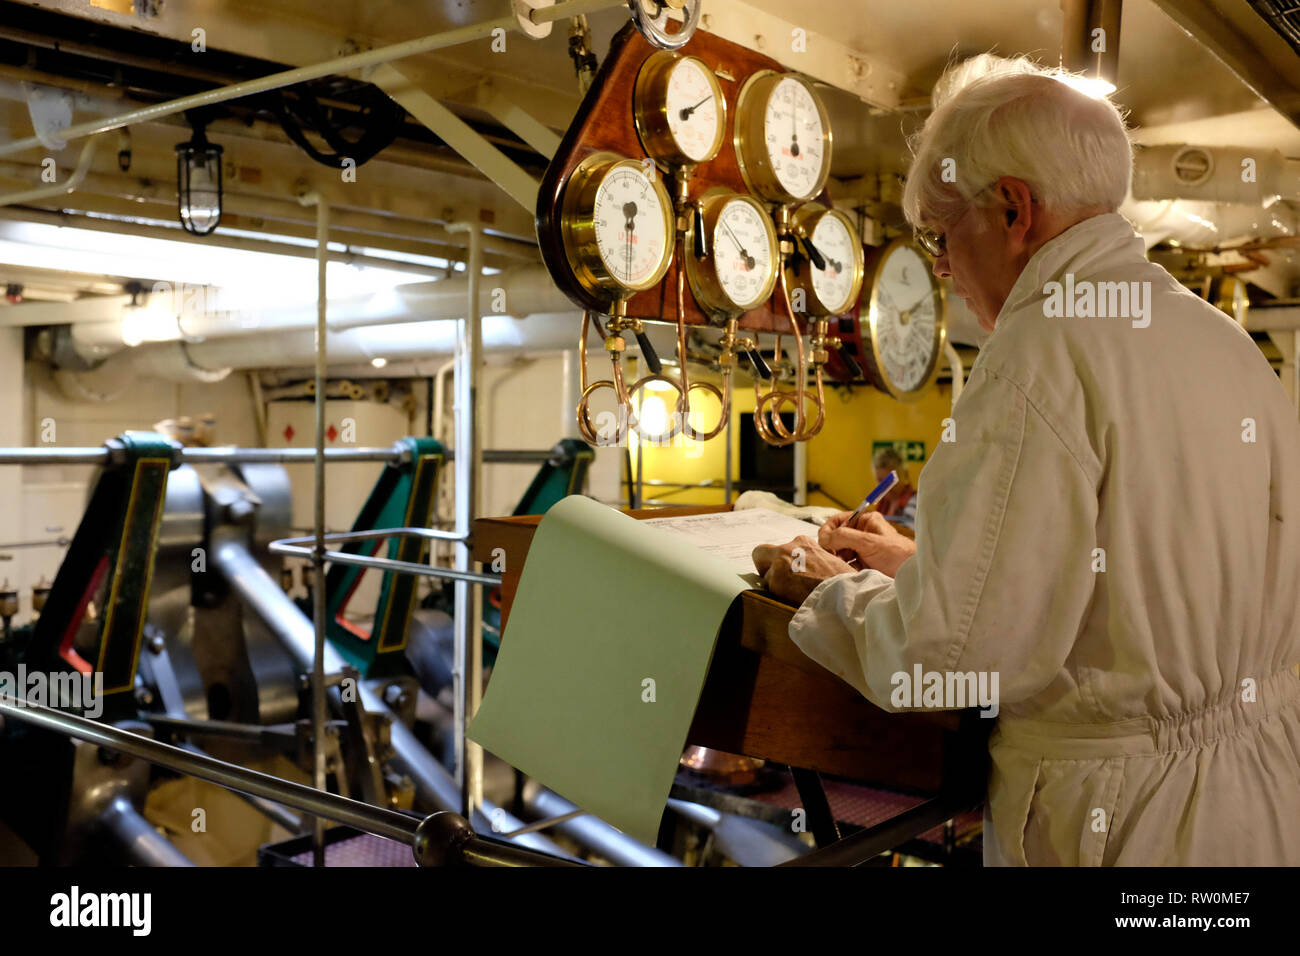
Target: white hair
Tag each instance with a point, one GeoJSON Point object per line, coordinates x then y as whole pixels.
{"type": "Point", "coordinates": [997, 117]}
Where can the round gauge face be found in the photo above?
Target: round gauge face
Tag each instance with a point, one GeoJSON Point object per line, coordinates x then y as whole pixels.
{"type": "Point", "coordinates": [795, 138]}
{"type": "Point", "coordinates": [904, 310]}
{"type": "Point", "coordinates": [743, 257]}
{"type": "Point", "coordinates": [629, 220]}
{"type": "Point", "coordinates": [694, 117]}
{"type": "Point", "coordinates": [834, 285]}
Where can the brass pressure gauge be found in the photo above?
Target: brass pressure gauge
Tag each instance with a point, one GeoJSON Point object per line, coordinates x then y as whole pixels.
{"type": "Point", "coordinates": [827, 267]}
{"type": "Point", "coordinates": [783, 137]}
{"type": "Point", "coordinates": [679, 109]}
{"type": "Point", "coordinates": [616, 223]}
{"type": "Point", "coordinates": [734, 268]}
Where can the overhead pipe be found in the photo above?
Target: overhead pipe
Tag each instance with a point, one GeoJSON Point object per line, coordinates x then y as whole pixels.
{"type": "Point", "coordinates": [14, 316]}
{"type": "Point", "coordinates": [516, 294]}
{"type": "Point", "coordinates": [213, 360]}
{"type": "Point", "coordinates": [1204, 225]}
{"type": "Point", "coordinates": [56, 189]}
{"type": "Point", "coordinates": [99, 310]}
{"type": "Point", "coordinates": [155, 199]}
{"type": "Point", "coordinates": [1207, 196]}
{"type": "Point", "coordinates": [109, 100]}
{"type": "Point", "coordinates": [1232, 174]}
{"type": "Point", "coordinates": [339, 66]}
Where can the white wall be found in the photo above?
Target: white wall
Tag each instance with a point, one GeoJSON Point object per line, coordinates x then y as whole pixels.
{"type": "Point", "coordinates": [526, 405]}
{"type": "Point", "coordinates": [46, 502]}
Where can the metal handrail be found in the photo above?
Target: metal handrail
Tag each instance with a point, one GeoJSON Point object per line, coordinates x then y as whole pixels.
{"type": "Point", "coordinates": [331, 806]}
{"type": "Point", "coordinates": [230, 455]}
{"type": "Point", "coordinates": [441, 838]}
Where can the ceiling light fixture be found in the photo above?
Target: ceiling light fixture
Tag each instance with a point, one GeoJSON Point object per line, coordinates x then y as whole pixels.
{"type": "Point", "coordinates": [1090, 45]}
{"type": "Point", "coordinates": [198, 182]}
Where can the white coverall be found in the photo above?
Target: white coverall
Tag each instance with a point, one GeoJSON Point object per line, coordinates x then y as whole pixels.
{"type": "Point", "coordinates": [1148, 711]}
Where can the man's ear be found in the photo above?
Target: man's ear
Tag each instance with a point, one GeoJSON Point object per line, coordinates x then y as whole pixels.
{"type": "Point", "coordinates": [1018, 203]}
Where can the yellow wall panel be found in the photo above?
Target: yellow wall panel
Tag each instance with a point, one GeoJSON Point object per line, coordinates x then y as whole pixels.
{"type": "Point", "coordinates": [839, 458]}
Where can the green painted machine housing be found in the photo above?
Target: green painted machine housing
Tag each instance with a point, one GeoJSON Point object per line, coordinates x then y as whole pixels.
{"type": "Point", "coordinates": [110, 561]}
{"type": "Point", "coordinates": [403, 497]}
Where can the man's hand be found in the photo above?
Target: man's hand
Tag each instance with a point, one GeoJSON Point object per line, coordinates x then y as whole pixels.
{"type": "Point", "coordinates": [871, 539]}
{"type": "Point", "coordinates": [792, 570]}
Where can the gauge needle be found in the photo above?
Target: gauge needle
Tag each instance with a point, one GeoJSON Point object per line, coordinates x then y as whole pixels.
{"type": "Point", "coordinates": [817, 257]}
{"type": "Point", "coordinates": [749, 260]}
{"type": "Point", "coordinates": [629, 210]}
{"type": "Point", "coordinates": [794, 128]}
{"type": "Point", "coordinates": [917, 304]}
{"type": "Point", "coordinates": [686, 112]}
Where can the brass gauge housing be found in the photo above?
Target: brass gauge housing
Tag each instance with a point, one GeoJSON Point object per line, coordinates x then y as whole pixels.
{"type": "Point", "coordinates": [903, 305]}
{"type": "Point", "coordinates": [679, 109]}
{"type": "Point", "coordinates": [832, 287]}
{"type": "Point", "coordinates": [739, 270]}
{"type": "Point", "coordinates": [616, 224]}
{"type": "Point", "coordinates": [782, 137]}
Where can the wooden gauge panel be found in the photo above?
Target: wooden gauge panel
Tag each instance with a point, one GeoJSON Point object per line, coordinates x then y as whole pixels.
{"type": "Point", "coordinates": [605, 123]}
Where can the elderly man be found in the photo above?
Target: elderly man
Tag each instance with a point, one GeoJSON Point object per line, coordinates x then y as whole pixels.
{"type": "Point", "coordinates": [1112, 530]}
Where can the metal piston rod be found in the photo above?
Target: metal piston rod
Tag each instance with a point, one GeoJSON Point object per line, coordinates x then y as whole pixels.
{"type": "Point", "coordinates": [296, 634]}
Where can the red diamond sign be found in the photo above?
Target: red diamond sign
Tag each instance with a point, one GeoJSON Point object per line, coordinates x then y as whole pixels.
{"type": "Point", "coordinates": [288, 433]}
{"type": "Point", "coordinates": [331, 433]}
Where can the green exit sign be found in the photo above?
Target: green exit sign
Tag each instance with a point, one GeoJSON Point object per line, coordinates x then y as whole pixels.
{"type": "Point", "coordinates": [907, 449]}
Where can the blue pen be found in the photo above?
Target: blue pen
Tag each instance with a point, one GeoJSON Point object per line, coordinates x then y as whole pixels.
{"type": "Point", "coordinates": [878, 492]}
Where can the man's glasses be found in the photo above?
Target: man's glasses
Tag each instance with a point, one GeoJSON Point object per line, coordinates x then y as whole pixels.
{"type": "Point", "coordinates": [935, 244]}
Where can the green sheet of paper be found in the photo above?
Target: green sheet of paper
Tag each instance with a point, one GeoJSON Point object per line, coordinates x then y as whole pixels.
{"type": "Point", "coordinates": [602, 662]}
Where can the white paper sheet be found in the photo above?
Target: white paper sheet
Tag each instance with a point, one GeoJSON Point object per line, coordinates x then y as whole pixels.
{"type": "Point", "coordinates": [733, 535]}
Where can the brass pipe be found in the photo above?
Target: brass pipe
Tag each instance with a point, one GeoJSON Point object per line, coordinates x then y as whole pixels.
{"type": "Point", "coordinates": [684, 405]}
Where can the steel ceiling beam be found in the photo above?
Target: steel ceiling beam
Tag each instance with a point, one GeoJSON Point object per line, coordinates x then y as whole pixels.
{"type": "Point", "coordinates": [1248, 46]}
{"type": "Point", "coordinates": [518, 184]}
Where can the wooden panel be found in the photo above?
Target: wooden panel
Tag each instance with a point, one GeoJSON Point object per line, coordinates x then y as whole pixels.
{"type": "Point", "coordinates": [604, 122]}
{"type": "Point", "coordinates": [763, 697]}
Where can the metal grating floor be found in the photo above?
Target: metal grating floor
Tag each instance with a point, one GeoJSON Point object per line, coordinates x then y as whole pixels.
{"type": "Point", "coordinates": [363, 850]}
{"type": "Point", "coordinates": [865, 807]}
